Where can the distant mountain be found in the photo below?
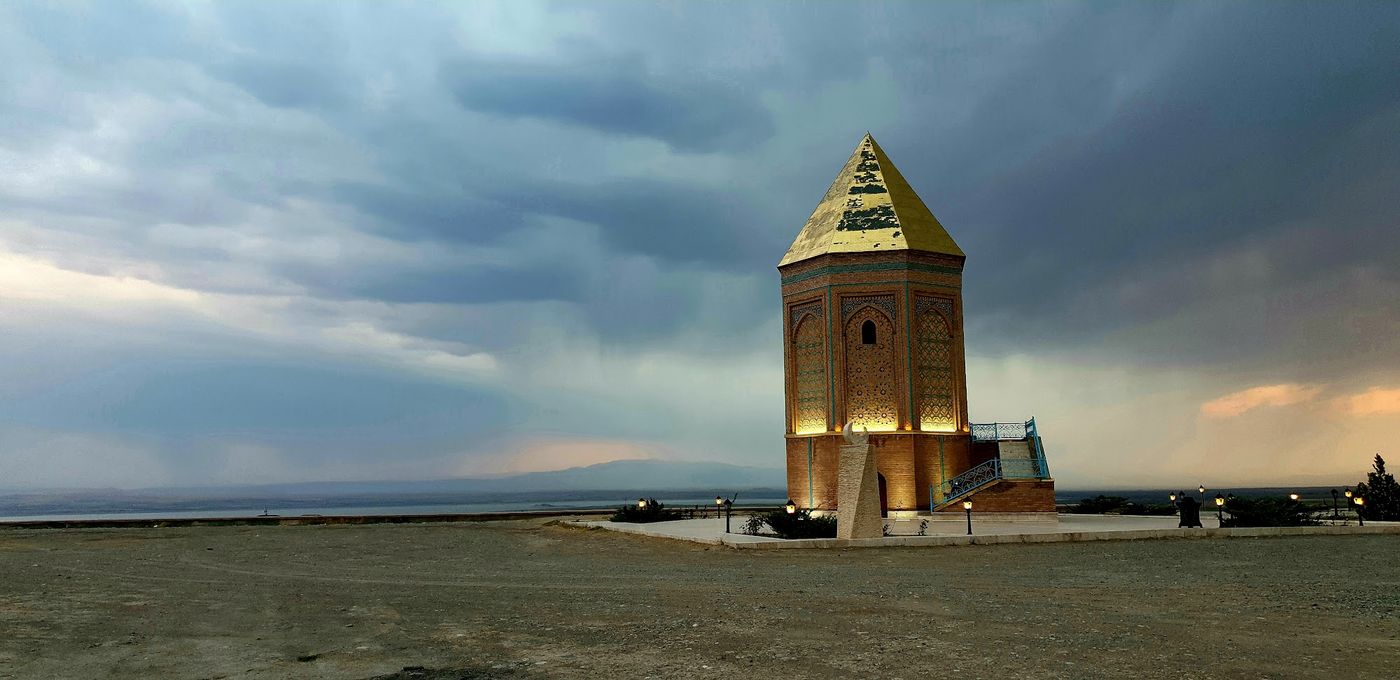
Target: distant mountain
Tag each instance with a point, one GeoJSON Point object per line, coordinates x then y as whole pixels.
{"type": "Point", "coordinates": [643, 474]}
{"type": "Point", "coordinates": [618, 475]}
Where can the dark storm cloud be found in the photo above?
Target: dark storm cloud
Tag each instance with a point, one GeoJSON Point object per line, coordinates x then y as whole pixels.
{"type": "Point", "coordinates": [286, 82]}
{"type": "Point", "coordinates": [434, 215]}
{"type": "Point", "coordinates": [617, 96]}
{"type": "Point", "coordinates": [1105, 147]}
{"type": "Point", "coordinates": [147, 393]}
{"type": "Point", "coordinates": [668, 220]}
{"type": "Point", "coordinates": [464, 283]}
{"type": "Point", "coordinates": [1179, 184]}
{"type": "Point", "coordinates": [1248, 134]}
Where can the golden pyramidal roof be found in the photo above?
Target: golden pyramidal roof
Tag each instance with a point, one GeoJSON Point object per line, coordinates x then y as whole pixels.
{"type": "Point", "coordinates": [870, 209]}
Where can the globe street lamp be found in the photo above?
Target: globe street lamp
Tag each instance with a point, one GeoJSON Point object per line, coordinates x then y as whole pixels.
{"type": "Point", "coordinates": [967, 506]}
{"type": "Point", "coordinates": [1202, 490]}
{"type": "Point", "coordinates": [641, 504]}
{"type": "Point", "coordinates": [1293, 497]}
{"type": "Point", "coordinates": [1359, 503]}
{"type": "Point", "coordinates": [1172, 496]}
{"type": "Point", "coordinates": [791, 507]}
{"type": "Point", "coordinates": [1219, 509]}
{"type": "Point", "coordinates": [1334, 505]}
{"type": "Point", "coordinates": [1347, 492]}
{"type": "Point", "coordinates": [719, 503]}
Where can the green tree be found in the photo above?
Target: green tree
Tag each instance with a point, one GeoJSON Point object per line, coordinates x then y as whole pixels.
{"type": "Point", "coordinates": [1382, 493]}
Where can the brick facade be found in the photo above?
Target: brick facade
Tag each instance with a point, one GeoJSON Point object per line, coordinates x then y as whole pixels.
{"type": "Point", "coordinates": [910, 462]}
{"type": "Point", "coordinates": [873, 333]}
{"type": "Point", "coordinates": [1012, 496]}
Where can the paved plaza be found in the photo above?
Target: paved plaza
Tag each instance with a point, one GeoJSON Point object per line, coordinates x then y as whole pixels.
{"type": "Point", "coordinates": [952, 530]}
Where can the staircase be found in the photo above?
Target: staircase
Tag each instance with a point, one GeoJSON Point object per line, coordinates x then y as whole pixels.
{"type": "Point", "coordinates": [1020, 456]}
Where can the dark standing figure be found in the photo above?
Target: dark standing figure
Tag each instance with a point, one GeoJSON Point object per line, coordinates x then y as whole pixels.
{"type": "Point", "coordinates": [1190, 512]}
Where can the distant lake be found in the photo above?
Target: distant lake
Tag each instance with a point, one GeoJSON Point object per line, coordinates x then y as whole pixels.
{"type": "Point", "coordinates": [156, 505]}
{"type": "Point", "coordinates": [187, 504]}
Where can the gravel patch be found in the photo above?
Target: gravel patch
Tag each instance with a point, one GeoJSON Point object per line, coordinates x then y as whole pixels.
{"type": "Point", "coordinates": [532, 599]}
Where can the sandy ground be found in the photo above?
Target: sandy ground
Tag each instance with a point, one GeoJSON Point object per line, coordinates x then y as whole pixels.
{"type": "Point", "coordinates": [527, 599]}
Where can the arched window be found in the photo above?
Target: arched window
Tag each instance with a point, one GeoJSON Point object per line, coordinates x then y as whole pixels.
{"type": "Point", "coordinates": [867, 332]}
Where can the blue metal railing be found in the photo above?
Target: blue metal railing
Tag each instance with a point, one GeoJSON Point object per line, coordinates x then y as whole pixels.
{"type": "Point", "coordinates": [975, 478]}
{"type": "Point", "coordinates": [991, 432]}
{"type": "Point", "coordinates": [1034, 467]}
{"type": "Point", "coordinates": [1033, 436]}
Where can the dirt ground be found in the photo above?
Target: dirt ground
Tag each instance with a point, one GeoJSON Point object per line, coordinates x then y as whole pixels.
{"type": "Point", "coordinates": [528, 599]}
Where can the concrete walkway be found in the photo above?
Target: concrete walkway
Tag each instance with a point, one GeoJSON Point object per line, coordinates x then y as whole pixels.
{"type": "Point", "coordinates": [945, 532]}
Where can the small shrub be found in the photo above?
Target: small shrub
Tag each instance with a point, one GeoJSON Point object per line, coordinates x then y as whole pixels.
{"type": "Point", "coordinates": [1118, 505]}
{"type": "Point", "coordinates": [1266, 512]}
{"type": "Point", "coordinates": [800, 524]}
{"type": "Point", "coordinates": [1163, 509]}
{"type": "Point", "coordinates": [753, 525]}
{"type": "Point", "coordinates": [1100, 505]}
{"type": "Point", "coordinates": [653, 511]}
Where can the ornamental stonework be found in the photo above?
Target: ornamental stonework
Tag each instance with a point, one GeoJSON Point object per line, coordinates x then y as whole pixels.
{"type": "Point", "coordinates": [813, 308]}
{"type": "Point", "coordinates": [809, 367]}
{"type": "Point", "coordinates": [933, 369]}
{"type": "Point", "coordinates": [871, 395]}
{"type": "Point", "coordinates": [884, 303]}
{"type": "Point", "coordinates": [924, 304]}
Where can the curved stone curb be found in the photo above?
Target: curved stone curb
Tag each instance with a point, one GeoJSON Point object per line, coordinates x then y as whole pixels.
{"type": "Point", "coordinates": [1062, 537]}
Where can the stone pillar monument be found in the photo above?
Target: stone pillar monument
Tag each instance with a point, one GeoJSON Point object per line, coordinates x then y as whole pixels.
{"type": "Point", "coordinates": [857, 489]}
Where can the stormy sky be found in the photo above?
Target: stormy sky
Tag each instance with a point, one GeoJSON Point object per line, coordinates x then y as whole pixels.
{"type": "Point", "coordinates": [263, 242]}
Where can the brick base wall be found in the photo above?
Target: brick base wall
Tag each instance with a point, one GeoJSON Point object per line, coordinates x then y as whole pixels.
{"type": "Point", "coordinates": [909, 461]}
{"type": "Point", "coordinates": [1012, 496]}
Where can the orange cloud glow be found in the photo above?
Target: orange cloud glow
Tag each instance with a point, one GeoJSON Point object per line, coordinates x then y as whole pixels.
{"type": "Point", "coordinates": [1239, 403]}
{"type": "Point", "coordinates": [539, 454]}
{"type": "Point", "coordinates": [1372, 402]}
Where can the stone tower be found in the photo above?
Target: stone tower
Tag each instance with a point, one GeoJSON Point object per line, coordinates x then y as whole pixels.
{"type": "Point", "coordinates": [872, 299]}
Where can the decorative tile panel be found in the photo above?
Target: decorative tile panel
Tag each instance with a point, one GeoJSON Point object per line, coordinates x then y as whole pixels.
{"type": "Point", "coordinates": [925, 303]}
{"type": "Point", "coordinates": [809, 366]}
{"type": "Point", "coordinates": [871, 400]}
{"type": "Point", "coordinates": [814, 308]}
{"type": "Point", "coordinates": [933, 365]}
{"type": "Point", "coordinates": [884, 303]}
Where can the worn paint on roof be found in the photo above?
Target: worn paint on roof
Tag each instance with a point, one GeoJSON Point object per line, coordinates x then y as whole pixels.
{"type": "Point", "coordinates": [869, 209]}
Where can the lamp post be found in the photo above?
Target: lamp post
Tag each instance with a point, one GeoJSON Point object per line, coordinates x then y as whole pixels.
{"type": "Point", "coordinates": [728, 509]}
{"type": "Point", "coordinates": [1202, 490]}
{"type": "Point", "coordinates": [967, 506]}
{"type": "Point", "coordinates": [1219, 509]}
{"type": "Point", "coordinates": [1172, 498]}
{"type": "Point", "coordinates": [1359, 503]}
{"type": "Point", "coordinates": [1335, 516]}
{"type": "Point", "coordinates": [641, 504]}
{"type": "Point", "coordinates": [719, 503]}
{"type": "Point", "coordinates": [791, 507]}
{"type": "Point", "coordinates": [1293, 497]}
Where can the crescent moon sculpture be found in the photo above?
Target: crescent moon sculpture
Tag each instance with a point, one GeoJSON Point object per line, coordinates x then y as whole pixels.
{"type": "Point", "coordinates": [852, 437]}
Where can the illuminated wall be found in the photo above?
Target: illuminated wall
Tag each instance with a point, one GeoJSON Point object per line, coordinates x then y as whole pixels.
{"type": "Point", "coordinates": [871, 385]}
{"type": "Point", "coordinates": [809, 368]}
{"type": "Point", "coordinates": [933, 365]}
